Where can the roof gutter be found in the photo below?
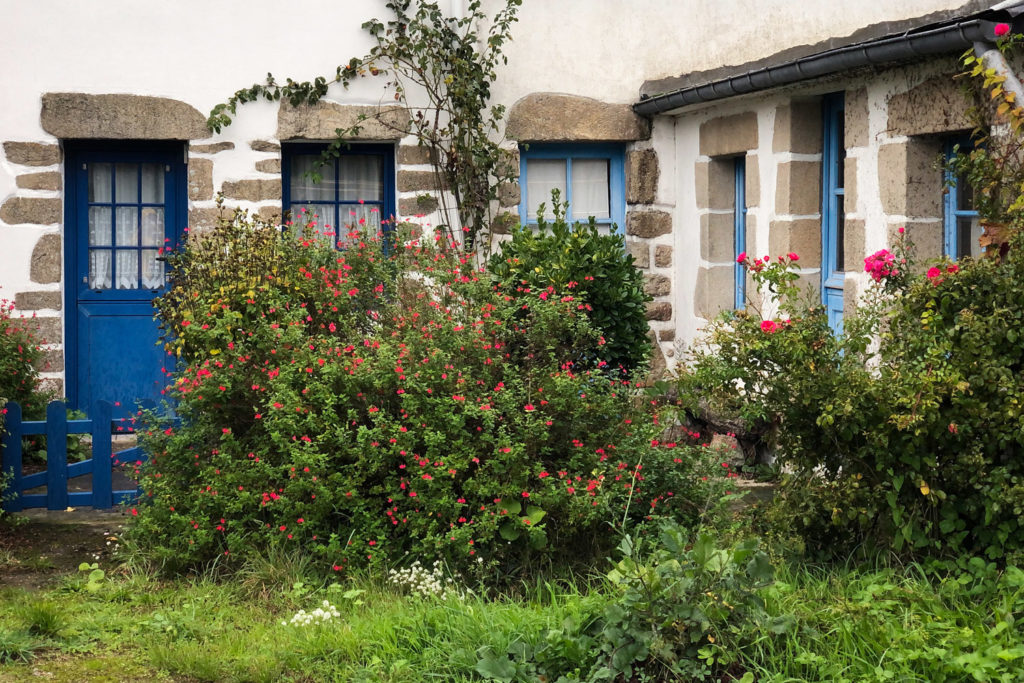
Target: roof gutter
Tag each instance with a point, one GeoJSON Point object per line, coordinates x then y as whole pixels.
{"type": "Point", "coordinates": [959, 36]}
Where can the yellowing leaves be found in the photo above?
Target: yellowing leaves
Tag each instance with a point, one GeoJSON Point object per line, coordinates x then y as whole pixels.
{"type": "Point", "coordinates": [924, 489]}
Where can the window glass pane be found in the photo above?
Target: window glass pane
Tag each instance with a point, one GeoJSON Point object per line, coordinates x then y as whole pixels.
{"type": "Point", "coordinates": [964, 195]}
{"type": "Point", "coordinates": [127, 226]}
{"type": "Point", "coordinates": [968, 231]}
{"type": "Point", "coordinates": [127, 269]}
{"type": "Point", "coordinates": [314, 220]}
{"type": "Point", "coordinates": [152, 270]}
{"type": "Point", "coordinates": [590, 189]}
{"type": "Point", "coordinates": [152, 184]}
{"type": "Point", "coordinates": [99, 268]}
{"type": "Point", "coordinates": [126, 183]}
{"type": "Point", "coordinates": [840, 149]}
{"type": "Point", "coordinates": [359, 216]}
{"type": "Point", "coordinates": [360, 178]}
{"type": "Point", "coordinates": [303, 187]}
{"type": "Point", "coordinates": [99, 225]}
{"type": "Point", "coordinates": [542, 176]}
{"type": "Point", "coordinates": [152, 226]}
{"type": "Point", "coordinates": [99, 182]}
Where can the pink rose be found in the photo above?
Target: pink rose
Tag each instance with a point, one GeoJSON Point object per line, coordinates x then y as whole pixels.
{"type": "Point", "coordinates": [768, 326]}
{"type": "Point", "coordinates": [742, 257]}
{"type": "Point", "coordinates": [792, 256]}
{"type": "Point", "coordinates": [1001, 29]}
{"type": "Point", "coordinates": [933, 273]}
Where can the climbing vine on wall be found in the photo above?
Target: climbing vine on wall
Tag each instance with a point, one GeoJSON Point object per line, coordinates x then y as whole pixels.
{"type": "Point", "coordinates": [452, 62]}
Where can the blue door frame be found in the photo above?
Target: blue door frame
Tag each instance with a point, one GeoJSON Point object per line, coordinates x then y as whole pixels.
{"type": "Point", "coordinates": [740, 231]}
{"type": "Point", "coordinates": [833, 210]}
{"type": "Point", "coordinates": [110, 334]}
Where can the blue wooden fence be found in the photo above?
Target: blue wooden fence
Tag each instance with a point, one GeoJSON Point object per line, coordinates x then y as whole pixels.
{"type": "Point", "coordinates": [102, 426]}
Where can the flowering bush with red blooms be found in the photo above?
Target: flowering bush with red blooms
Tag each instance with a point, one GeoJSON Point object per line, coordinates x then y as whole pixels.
{"type": "Point", "coordinates": [577, 263]}
{"type": "Point", "coordinates": [362, 404]}
{"type": "Point", "coordinates": [19, 353]}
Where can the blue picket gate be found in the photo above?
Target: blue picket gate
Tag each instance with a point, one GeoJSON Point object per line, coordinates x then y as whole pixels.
{"type": "Point", "coordinates": [56, 428]}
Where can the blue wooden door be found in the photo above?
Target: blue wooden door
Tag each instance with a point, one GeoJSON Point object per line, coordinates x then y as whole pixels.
{"type": "Point", "coordinates": [125, 207]}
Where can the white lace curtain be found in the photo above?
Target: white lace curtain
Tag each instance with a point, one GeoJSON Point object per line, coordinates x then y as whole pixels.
{"type": "Point", "coordinates": [119, 269]}
{"type": "Point", "coordinates": [589, 186]}
{"type": "Point", "coordinates": [358, 179]}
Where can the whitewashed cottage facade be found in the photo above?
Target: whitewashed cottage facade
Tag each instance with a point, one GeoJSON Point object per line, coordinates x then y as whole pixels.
{"type": "Point", "coordinates": [702, 129]}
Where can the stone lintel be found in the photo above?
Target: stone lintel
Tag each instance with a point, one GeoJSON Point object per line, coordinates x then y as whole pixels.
{"type": "Point", "coordinates": [81, 116]}
{"type": "Point", "coordinates": [728, 135]}
{"type": "Point", "coordinates": [320, 121]}
{"type": "Point", "coordinates": [555, 117]}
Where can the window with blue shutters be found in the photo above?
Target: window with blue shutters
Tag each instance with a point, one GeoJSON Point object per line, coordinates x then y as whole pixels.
{"type": "Point", "coordinates": [833, 209]}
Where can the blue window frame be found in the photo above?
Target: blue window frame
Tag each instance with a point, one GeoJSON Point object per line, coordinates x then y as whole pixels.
{"type": "Point", "coordinates": [740, 229]}
{"type": "Point", "coordinates": [961, 227]}
{"type": "Point", "coordinates": [357, 188]}
{"type": "Point", "coordinates": [833, 210]}
{"type": "Point", "coordinates": [590, 177]}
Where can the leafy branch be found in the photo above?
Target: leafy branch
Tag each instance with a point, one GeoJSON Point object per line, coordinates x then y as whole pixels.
{"type": "Point", "coordinates": [453, 64]}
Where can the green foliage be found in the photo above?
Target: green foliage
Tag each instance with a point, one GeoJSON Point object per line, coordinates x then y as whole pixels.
{"type": "Point", "coordinates": [19, 354]}
{"type": "Point", "coordinates": [785, 368]}
{"type": "Point", "coordinates": [42, 617]}
{"type": "Point", "coordinates": [560, 259]}
{"type": "Point", "coordinates": [16, 646]}
{"type": "Point", "coordinates": [945, 623]}
{"type": "Point", "coordinates": [893, 624]}
{"type": "Point", "coordinates": [679, 607]}
{"type": "Point", "coordinates": [363, 404]}
{"type": "Point", "coordinates": [95, 576]}
{"type": "Point", "coordinates": [683, 610]}
{"type": "Point", "coordinates": [449, 61]}
{"type": "Point", "coordinates": [912, 445]}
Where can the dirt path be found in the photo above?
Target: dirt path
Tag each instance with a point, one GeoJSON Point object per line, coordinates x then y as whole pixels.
{"type": "Point", "coordinates": [45, 545]}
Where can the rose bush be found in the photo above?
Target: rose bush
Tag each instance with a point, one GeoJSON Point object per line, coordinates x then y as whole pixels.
{"type": "Point", "coordinates": [911, 443]}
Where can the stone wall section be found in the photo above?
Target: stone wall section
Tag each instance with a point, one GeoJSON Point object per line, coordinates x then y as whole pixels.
{"type": "Point", "coordinates": [649, 239]}
{"type": "Point", "coordinates": [722, 140]}
{"type": "Point", "coordinates": [795, 225]}
{"type": "Point", "coordinates": [36, 207]}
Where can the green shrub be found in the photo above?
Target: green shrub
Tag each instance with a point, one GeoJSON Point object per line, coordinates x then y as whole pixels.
{"type": "Point", "coordinates": [363, 404]}
{"type": "Point", "coordinates": [19, 351]}
{"type": "Point", "coordinates": [912, 445]}
{"type": "Point", "coordinates": [899, 624]}
{"type": "Point", "coordinates": [561, 259]}
{"type": "Point", "coordinates": [679, 607]}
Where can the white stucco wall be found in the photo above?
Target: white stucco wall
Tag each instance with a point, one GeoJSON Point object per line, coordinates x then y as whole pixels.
{"type": "Point", "coordinates": [607, 48]}
{"type": "Point", "coordinates": [200, 52]}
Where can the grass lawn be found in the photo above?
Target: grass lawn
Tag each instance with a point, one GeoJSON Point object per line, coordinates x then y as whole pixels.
{"type": "Point", "coordinates": [840, 624]}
